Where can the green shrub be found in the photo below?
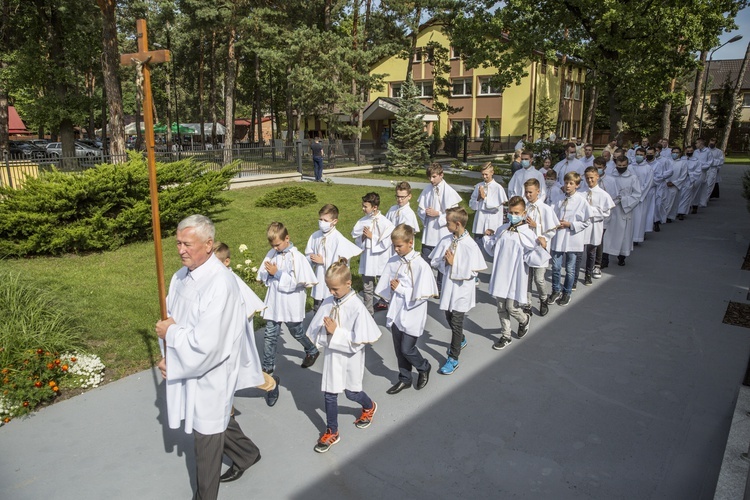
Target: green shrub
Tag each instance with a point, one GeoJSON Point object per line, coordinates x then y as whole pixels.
{"type": "Point", "coordinates": [545, 149]}
{"type": "Point", "coordinates": [104, 207]}
{"type": "Point", "coordinates": [287, 197]}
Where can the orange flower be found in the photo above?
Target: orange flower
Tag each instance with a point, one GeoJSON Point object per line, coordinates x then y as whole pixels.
{"type": "Point", "coordinates": [55, 388]}
{"type": "Point", "coordinates": [40, 351]}
{"type": "Point", "coordinates": [37, 384]}
{"type": "Point", "coordinates": [5, 371]}
{"type": "Point", "coordinates": [50, 366]}
{"type": "Point", "coordinates": [57, 361]}
{"type": "Point", "coordinates": [25, 404]}
{"type": "Point", "coordinates": [6, 419]}
{"type": "Point", "coordinates": [73, 360]}
{"type": "Point", "coordinates": [52, 383]}
{"type": "Point", "coordinates": [6, 380]}
{"type": "Point", "coordinates": [64, 368]}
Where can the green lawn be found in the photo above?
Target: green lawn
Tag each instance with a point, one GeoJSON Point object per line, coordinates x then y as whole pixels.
{"type": "Point", "coordinates": [737, 159]}
{"type": "Point", "coordinates": [113, 295]}
{"type": "Point", "coordinates": [421, 176]}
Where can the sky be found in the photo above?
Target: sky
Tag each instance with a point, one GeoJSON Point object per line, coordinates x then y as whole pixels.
{"type": "Point", "coordinates": [737, 49]}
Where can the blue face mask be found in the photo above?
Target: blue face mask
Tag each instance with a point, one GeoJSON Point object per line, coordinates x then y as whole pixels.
{"type": "Point", "coordinates": [675, 156]}
{"type": "Point", "coordinates": [515, 219]}
{"type": "Point", "coordinates": [600, 170]}
{"type": "Point", "coordinates": [639, 158]}
{"type": "Point", "coordinates": [525, 163]}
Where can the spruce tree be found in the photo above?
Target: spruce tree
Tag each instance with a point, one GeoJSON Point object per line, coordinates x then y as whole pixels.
{"type": "Point", "coordinates": [486, 138]}
{"type": "Point", "coordinates": [408, 147]}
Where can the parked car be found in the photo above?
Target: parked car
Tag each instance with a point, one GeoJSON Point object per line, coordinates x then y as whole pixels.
{"type": "Point", "coordinates": [26, 150]}
{"type": "Point", "coordinates": [42, 143]}
{"type": "Point", "coordinates": [92, 143]}
{"type": "Point", "coordinates": [82, 151]}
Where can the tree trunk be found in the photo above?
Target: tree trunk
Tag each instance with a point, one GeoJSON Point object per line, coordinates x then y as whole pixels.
{"type": "Point", "coordinates": [169, 114]}
{"type": "Point", "coordinates": [735, 97]}
{"type": "Point", "coordinates": [413, 45]}
{"type": "Point", "coordinates": [289, 110]}
{"type": "Point", "coordinates": [4, 125]}
{"type": "Point", "coordinates": [90, 83]}
{"type": "Point", "coordinates": [201, 110]}
{"type": "Point", "coordinates": [615, 115]}
{"type": "Point", "coordinates": [113, 90]}
{"type": "Point", "coordinates": [212, 89]}
{"type": "Point", "coordinates": [561, 100]}
{"type": "Point", "coordinates": [588, 134]}
{"type": "Point", "coordinates": [697, 93]}
{"type": "Point", "coordinates": [229, 95]}
{"type": "Point", "coordinates": [258, 112]}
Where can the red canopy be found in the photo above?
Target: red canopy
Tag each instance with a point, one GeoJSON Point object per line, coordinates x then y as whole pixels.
{"type": "Point", "coordinates": [15, 124]}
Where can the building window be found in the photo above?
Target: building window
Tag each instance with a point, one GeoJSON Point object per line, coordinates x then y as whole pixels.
{"type": "Point", "coordinates": [714, 100]}
{"type": "Point", "coordinates": [575, 129]}
{"type": "Point", "coordinates": [565, 132]}
{"type": "Point", "coordinates": [486, 87]}
{"type": "Point", "coordinates": [577, 91]}
{"type": "Point", "coordinates": [429, 54]}
{"type": "Point", "coordinates": [746, 101]}
{"type": "Point", "coordinates": [567, 90]}
{"type": "Point", "coordinates": [418, 55]}
{"type": "Point", "coordinates": [461, 87]}
{"type": "Point", "coordinates": [396, 89]}
{"type": "Point", "coordinates": [544, 67]}
{"type": "Point", "coordinates": [494, 129]}
{"type": "Point", "coordinates": [455, 54]}
{"type": "Point", "coordinates": [464, 126]}
{"type": "Point", "coordinates": [570, 72]}
{"type": "Point", "coordinates": [556, 70]}
{"type": "Point", "coordinates": [424, 88]}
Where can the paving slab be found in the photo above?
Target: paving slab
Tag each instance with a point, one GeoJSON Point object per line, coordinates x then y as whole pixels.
{"type": "Point", "coordinates": [628, 392]}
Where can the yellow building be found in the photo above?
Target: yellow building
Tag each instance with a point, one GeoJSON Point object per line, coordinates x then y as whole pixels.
{"type": "Point", "coordinates": [510, 111]}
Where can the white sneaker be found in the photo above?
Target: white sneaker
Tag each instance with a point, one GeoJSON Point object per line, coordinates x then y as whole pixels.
{"type": "Point", "coordinates": [597, 273]}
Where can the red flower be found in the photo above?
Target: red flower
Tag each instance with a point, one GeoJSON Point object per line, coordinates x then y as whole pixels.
{"type": "Point", "coordinates": [37, 384]}
{"type": "Point", "coordinates": [57, 361]}
{"type": "Point", "coordinates": [25, 404]}
{"type": "Point", "coordinates": [40, 351]}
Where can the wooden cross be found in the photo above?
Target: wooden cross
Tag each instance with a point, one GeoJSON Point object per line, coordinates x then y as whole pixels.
{"type": "Point", "coordinates": [143, 59]}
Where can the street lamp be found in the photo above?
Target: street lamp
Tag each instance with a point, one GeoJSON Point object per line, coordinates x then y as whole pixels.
{"type": "Point", "coordinates": [705, 82]}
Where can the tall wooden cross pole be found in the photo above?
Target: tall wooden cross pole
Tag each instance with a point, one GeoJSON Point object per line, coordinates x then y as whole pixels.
{"type": "Point", "coordinates": [142, 60]}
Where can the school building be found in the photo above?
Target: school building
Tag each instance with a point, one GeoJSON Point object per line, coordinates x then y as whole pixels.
{"type": "Point", "coordinates": [511, 111]}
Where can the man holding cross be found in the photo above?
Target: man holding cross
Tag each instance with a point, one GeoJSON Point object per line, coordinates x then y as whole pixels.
{"type": "Point", "coordinates": [203, 335]}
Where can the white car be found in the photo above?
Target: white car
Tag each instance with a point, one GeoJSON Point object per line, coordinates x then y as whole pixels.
{"type": "Point", "coordinates": [82, 151]}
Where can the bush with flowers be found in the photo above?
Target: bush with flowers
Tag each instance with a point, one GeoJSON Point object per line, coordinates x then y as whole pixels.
{"type": "Point", "coordinates": [247, 270]}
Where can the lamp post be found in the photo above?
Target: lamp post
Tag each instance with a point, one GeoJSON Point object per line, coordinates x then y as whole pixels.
{"type": "Point", "coordinates": [705, 82]}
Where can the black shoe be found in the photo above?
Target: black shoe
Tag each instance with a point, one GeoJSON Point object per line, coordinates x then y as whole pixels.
{"type": "Point", "coordinates": [694, 210]}
{"type": "Point", "coordinates": [564, 300]}
{"type": "Point", "coordinates": [680, 217]}
{"type": "Point", "coordinates": [270, 372]}
{"type": "Point", "coordinates": [587, 281]}
{"type": "Point", "coordinates": [273, 395]}
{"type": "Point", "coordinates": [620, 261]}
{"type": "Point", "coordinates": [554, 297]}
{"type": "Point", "coordinates": [524, 329]}
{"type": "Point", "coordinates": [381, 306]}
{"type": "Point", "coordinates": [400, 386]}
{"type": "Point", "coordinates": [669, 221]}
{"type": "Point", "coordinates": [424, 377]}
{"type": "Point", "coordinates": [543, 308]}
{"type": "Point", "coordinates": [233, 473]}
{"type": "Point", "coordinates": [657, 227]}
{"type": "Point", "coordinates": [500, 344]}
{"type": "Point", "coordinates": [575, 285]}
{"type": "Point", "coordinates": [309, 360]}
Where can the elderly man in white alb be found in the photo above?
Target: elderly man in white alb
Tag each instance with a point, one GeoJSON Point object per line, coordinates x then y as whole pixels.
{"type": "Point", "coordinates": [201, 362]}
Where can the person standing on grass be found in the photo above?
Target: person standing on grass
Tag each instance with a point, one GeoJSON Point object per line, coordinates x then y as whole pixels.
{"type": "Point", "coordinates": [317, 155]}
{"type": "Point", "coordinates": [201, 363]}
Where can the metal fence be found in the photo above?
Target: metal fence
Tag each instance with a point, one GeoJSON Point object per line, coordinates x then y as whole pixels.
{"type": "Point", "coordinates": [252, 160]}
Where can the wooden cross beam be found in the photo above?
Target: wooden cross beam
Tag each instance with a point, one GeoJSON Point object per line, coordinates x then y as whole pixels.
{"type": "Point", "coordinates": [143, 59]}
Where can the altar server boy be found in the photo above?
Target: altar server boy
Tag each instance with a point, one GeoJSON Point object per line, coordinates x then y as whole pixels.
{"type": "Point", "coordinates": [516, 186]}
{"type": "Point", "coordinates": [625, 189]}
{"type": "Point", "coordinates": [326, 246]}
{"type": "Point", "coordinates": [407, 282]}
{"type": "Point", "coordinates": [458, 259]}
{"type": "Point", "coordinates": [251, 374]}
{"type": "Point", "coordinates": [601, 203]}
{"type": "Point", "coordinates": [676, 183]}
{"type": "Point", "coordinates": [286, 273]}
{"type": "Point", "coordinates": [434, 201]}
{"type": "Point", "coordinates": [513, 244]}
{"type": "Point", "coordinates": [343, 327]}
{"type": "Point", "coordinates": [401, 212]}
{"type": "Point", "coordinates": [487, 202]}
{"type": "Point", "coordinates": [541, 219]}
{"type": "Point", "coordinates": [574, 214]}
{"type": "Point", "coordinates": [372, 233]}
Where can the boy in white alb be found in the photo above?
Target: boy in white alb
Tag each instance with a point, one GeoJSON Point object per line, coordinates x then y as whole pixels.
{"type": "Point", "coordinates": [343, 327]}
{"type": "Point", "coordinates": [601, 203]}
{"type": "Point", "coordinates": [407, 282]}
{"type": "Point", "coordinates": [625, 190]}
{"type": "Point", "coordinates": [676, 183]}
{"type": "Point", "coordinates": [487, 201]}
{"type": "Point", "coordinates": [401, 212]}
{"type": "Point", "coordinates": [516, 186]}
{"type": "Point", "coordinates": [459, 259]}
{"type": "Point", "coordinates": [574, 214]}
{"type": "Point", "coordinates": [286, 273]}
{"type": "Point", "coordinates": [251, 373]}
{"type": "Point", "coordinates": [372, 233]}
{"type": "Point", "coordinates": [541, 219]}
{"type": "Point", "coordinates": [326, 246]}
{"type": "Point", "coordinates": [513, 244]}
{"type": "Point", "coordinates": [643, 213]}
{"type": "Point", "coordinates": [433, 203]}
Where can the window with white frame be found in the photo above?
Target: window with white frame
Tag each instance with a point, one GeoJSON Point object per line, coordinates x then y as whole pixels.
{"type": "Point", "coordinates": [577, 91]}
{"type": "Point", "coordinates": [575, 129]}
{"type": "Point", "coordinates": [565, 132]}
{"type": "Point", "coordinates": [746, 100]}
{"type": "Point", "coordinates": [567, 90]}
{"type": "Point", "coordinates": [494, 128]}
{"type": "Point", "coordinates": [455, 54]}
{"type": "Point", "coordinates": [486, 87]}
{"type": "Point", "coordinates": [461, 87]}
{"type": "Point", "coordinates": [424, 88]}
{"type": "Point", "coordinates": [464, 126]}
{"type": "Point", "coordinates": [396, 89]}
{"type": "Point", "coordinates": [417, 54]}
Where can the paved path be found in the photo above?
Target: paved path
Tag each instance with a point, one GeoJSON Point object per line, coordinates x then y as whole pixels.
{"type": "Point", "coordinates": [628, 393]}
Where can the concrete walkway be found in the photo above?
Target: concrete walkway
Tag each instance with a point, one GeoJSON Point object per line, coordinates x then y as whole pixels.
{"type": "Point", "coordinates": [628, 393]}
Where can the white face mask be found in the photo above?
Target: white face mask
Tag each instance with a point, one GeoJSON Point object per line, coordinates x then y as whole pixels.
{"type": "Point", "coordinates": [325, 226]}
{"type": "Point", "coordinates": [550, 182]}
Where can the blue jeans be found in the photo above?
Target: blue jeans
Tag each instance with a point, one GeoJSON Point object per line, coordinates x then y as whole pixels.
{"type": "Point", "coordinates": [318, 167]}
{"type": "Point", "coordinates": [332, 406]}
{"type": "Point", "coordinates": [570, 271]}
{"type": "Point", "coordinates": [271, 338]}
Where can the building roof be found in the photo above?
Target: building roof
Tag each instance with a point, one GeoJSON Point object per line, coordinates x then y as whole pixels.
{"type": "Point", "coordinates": [15, 124]}
{"type": "Point", "coordinates": [384, 108]}
{"type": "Point", "coordinates": [720, 69]}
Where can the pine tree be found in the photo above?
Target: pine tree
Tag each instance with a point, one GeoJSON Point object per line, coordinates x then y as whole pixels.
{"type": "Point", "coordinates": [407, 149]}
{"type": "Point", "coordinates": [486, 139]}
